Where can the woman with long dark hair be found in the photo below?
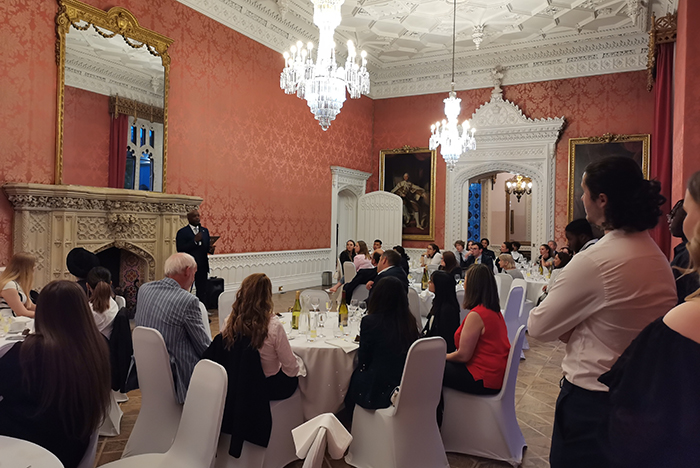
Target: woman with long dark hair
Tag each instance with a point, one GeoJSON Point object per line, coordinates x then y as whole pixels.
{"type": "Point", "coordinates": [104, 308]}
{"type": "Point", "coordinates": [546, 258]}
{"type": "Point", "coordinates": [404, 257]}
{"type": "Point", "coordinates": [348, 254]}
{"type": "Point", "coordinates": [15, 284]}
{"type": "Point", "coordinates": [449, 264]}
{"type": "Point", "coordinates": [55, 385]}
{"type": "Point", "coordinates": [386, 333]}
{"type": "Point", "coordinates": [443, 318]}
{"type": "Point", "coordinates": [478, 365]}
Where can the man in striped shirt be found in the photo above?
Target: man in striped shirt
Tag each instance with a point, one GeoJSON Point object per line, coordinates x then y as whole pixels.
{"type": "Point", "coordinates": [167, 306]}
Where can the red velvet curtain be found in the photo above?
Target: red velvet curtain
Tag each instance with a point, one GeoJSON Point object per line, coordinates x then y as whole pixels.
{"type": "Point", "coordinates": [662, 139]}
{"type": "Point", "coordinates": [118, 137]}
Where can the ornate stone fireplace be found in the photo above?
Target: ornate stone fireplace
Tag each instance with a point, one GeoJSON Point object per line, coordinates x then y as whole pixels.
{"type": "Point", "coordinates": [50, 220]}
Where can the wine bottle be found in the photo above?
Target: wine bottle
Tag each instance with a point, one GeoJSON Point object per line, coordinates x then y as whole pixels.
{"type": "Point", "coordinates": [343, 312]}
{"type": "Point", "coordinates": [296, 311]}
{"type": "Point", "coordinates": [425, 280]}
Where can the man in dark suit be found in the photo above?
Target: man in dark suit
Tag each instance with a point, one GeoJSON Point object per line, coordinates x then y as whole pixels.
{"type": "Point", "coordinates": [194, 240]}
{"type": "Point", "coordinates": [477, 256]}
{"type": "Point", "coordinates": [389, 265]}
{"type": "Point", "coordinates": [362, 277]}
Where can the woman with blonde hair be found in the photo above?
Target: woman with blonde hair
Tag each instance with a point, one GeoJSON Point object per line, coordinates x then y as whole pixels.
{"type": "Point", "coordinates": [55, 385]}
{"type": "Point", "coordinates": [15, 284]}
{"type": "Point", "coordinates": [508, 265]}
{"type": "Point", "coordinates": [654, 410]}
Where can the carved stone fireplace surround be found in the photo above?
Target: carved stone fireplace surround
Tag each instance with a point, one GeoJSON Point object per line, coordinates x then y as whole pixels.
{"type": "Point", "coordinates": [50, 220]}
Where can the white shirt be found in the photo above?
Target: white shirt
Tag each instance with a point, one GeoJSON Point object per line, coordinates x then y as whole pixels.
{"type": "Point", "coordinates": [195, 229]}
{"type": "Point", "coordinates": [5, 309]}
{"type": "Point", "coordinates": [437, 258]}
{"type": "Point", "coordinates": [105, 320]}
{"type": "Point", "coordinates": [605, 296]}
{"type": "Point", "coordinates": [517, 256]}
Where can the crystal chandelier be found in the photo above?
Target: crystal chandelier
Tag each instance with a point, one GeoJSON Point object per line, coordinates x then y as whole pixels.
{"type": "Point", "coordinates": [453, 138]}
{"type": "Point", "coordinates": [323, 83]}
{"type": "Point", "coordinates": [519, 186]}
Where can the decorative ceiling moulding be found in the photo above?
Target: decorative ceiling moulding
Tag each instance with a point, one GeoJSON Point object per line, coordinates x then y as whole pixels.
{"type": "Point", "coordinates": [138, 110]}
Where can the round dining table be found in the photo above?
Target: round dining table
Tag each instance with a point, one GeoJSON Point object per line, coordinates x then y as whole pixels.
{"type": "Point", "coordinates": [328, 372]}
{"type": "Point", "coordinates": [17, 453]}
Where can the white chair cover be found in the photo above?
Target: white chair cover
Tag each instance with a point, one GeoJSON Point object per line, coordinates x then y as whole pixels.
{"type": "Point", "coordinates": [110, 426]}
{"type": "Point", "coordinates": [432, 268]}
{"type": "Point", "coordinates": [486, 426]}
{"type": "Point", "coordinates": [158, 420]}
{"type": "Point", "coordinates": [414, 305]}
{"type": "Point", "coordinates": [309, 293]}
{"type": "Point", "coordinates": [514, 307]}
{"type": "Point", "coordinates": [314, 457]}
{"type": "Point", "coordinates": [195, 442]}
{"type": "Point", "coordinates": [205, 319]}
{"type": "Point", "coordinates": [121, 302]}
{"type": "Point", "coordinates": [349, 271]}
{"type": "Point", "coordinates": [506, 283]}
{"type": "Point", "coordinates": [361, 293]}
{"type": "Point", "coordinates": [88, 460]}
{"type": "Point", "coordinates": [226, 300]}
{"type": "Point", "coordinates": [462, 311]}
{"type": "Point", "coordinates": [405, 435]}
{"type": "Point", "coordinates": [286, 415]}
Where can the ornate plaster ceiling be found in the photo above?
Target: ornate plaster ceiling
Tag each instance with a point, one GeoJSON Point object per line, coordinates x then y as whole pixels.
{"type": "Point", "coordinates": [109, 66]}
{"type": "Point", "coordinates": [409, 42]}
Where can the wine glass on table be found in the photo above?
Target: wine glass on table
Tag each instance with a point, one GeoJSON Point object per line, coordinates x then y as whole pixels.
{"type": "Point", "coordinates": [353, 306]}
{"type": "Point", "coordinates": [362, 305]}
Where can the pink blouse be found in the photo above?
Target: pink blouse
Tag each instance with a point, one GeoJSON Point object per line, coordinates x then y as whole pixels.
{"type": "Point", "coordinates": [276, 353]}
{"type": "Point", "coordinates": [362, 263]}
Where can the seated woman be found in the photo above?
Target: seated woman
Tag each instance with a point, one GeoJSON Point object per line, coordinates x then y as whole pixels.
{"type": "Point", "coordinates": [362, 259]}
{"type": "Point", "coordinates": [432, 256]}
{"type": "Point", "coordinates": [508, 266]}
{"type": "Point", "coordinates": [55, 386]}
{"type": "Point", "coordinates": [404, 257]}
{"type": "Point", "coordinates": [479, 363]}
{"type": "Point", "coordinates": [386, 333]}
{"type": "Point", "coordinates": [443, 319]}
{"type": "Point", "coordinates": [15, 282]}
{"type": "Point", "coordinates": [546, 258]}
{"type": "Point", "coordinates": [104, 308]}
{"type": "Point", "coordinates": [346, 255]}
{"type": "Point", "coordinates": [449, 265]}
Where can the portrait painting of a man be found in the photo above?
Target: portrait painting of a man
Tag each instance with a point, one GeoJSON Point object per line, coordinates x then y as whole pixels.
{"type": "Point", "coordinates": [410, 174]}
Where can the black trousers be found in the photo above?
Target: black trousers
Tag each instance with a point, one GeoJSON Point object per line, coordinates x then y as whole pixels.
{"type": "Point", "coordinates": [201, 284]}
{"type": "Point", "coordinates": [579, 421]}
{"type": "Point", "coordinates": [280, 386]}
{"type": "Point", "coordinates": [458, 377]}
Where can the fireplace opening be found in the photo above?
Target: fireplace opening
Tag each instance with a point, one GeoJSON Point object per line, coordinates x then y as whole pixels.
{"type": "Point", "coordinates": [129, 271]}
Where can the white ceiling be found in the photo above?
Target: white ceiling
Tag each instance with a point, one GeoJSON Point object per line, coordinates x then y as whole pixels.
{"type": "Point", "coordinates": [409, 42]}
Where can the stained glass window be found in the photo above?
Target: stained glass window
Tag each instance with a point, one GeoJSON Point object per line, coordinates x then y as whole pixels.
{"type": "Point", "coordinates": [474, 226]}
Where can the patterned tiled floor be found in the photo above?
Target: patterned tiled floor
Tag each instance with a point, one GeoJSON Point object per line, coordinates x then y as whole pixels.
{"type": "Point", "coordinates": [536, 392]}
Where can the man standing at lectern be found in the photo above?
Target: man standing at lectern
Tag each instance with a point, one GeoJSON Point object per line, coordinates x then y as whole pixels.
{"type": "Point", "coordinates": [194, 240]}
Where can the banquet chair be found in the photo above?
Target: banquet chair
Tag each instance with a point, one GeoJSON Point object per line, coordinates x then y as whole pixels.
{"type": "Point", "coordinates": [349, 271]}
{"type": "Point", "coordinates": [499, 286]}
{"type": "Point", "coordinates": [361, 293]}
{"type": "Point", "coordinates": [486, 425]}
{"type": "Point", "coordinates": [121, 302]}
{"type": "Point", "coordinates": [514, 307]}
{"type": "Point", "coordinates": [158, 420]}
{"type": "Point", "coordinates": [414, 306]}
{"type": "Point", "coordinates": [226, 300]}
{"type": "Point", "coordinates": [88, 460]}
{"type": "Point", "coordinates": [111, 425]}
{"type": "Point", "coordinates": [506, 282]}
{"type": "Point", "coordinates": [432, 268]}
{"type": "Point", "coordinates": [405, 435]}
{"type": "Point", "coordinates": [286, 415]}
{"type": "Point", "coordinates": [309, 293]}
{"type": "Point", "coordinates": [462, 311]}
{"type": "Point", "coordinates": [195, 443]}
{"type": "Point", "coordinates": [205, 319]}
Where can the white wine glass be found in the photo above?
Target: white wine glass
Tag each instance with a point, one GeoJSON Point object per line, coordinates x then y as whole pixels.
{"type": "Point", "coordinates": [363, 307]}
{"type": "Point", "coordinates": [353, 306]}
{"type": "Point", "coordinates": [315, 302]}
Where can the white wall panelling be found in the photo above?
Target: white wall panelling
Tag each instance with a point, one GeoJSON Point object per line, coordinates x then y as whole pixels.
{"type": "Point", "coordinates": [506, 141]}
{"type": "Point", "coordinates": [380, 216]}
{"type": "Point", "coordinates": [347, 186]}
{"type": "Point", "coordinates": [291, 269]}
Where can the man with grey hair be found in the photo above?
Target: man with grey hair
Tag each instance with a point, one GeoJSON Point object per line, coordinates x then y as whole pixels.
{"type": "Point", "coordinates": [167, 306]}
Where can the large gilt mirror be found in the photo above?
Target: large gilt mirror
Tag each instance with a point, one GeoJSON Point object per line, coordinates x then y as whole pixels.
{"type": "Point", "coordinates": [112, 126]}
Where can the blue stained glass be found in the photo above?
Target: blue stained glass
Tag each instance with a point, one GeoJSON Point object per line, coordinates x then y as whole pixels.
{"type": "Point", "coordinates": [142, 132]}
{"type": "Point", "coordinates": [474, 226]}
{"type": "Point", "coordinates": [152, 138]}
{"type": "Point", "coordinates": [133, 134]}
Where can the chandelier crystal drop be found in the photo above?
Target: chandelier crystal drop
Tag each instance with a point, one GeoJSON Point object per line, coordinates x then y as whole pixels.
{"type": "Point", "coordinates": [322, 83]}
{"type": "Point", "coordinates": [453, 138]}
{"type": "Point", "coordinates": [519, 186]}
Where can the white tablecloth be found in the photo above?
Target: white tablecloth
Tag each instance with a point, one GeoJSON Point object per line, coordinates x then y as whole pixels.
{"type": "Point", "coordinates": [329, 369]}
{"type": "Point", "coordinates": [534, 289]}
{"type": "Point", "coordinates": [18, 453]}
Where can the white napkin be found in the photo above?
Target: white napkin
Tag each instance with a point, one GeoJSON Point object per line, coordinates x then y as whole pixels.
{"type": "Point", "coordinates": [426, 294]}
{"type": "Point", "coordinates": [338, 437]}
{"type": "Point", "coordinates": [346, 346]}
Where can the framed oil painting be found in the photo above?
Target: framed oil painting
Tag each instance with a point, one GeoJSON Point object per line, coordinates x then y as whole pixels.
{"type": "Point", "coordinates": [583, 151]}
{"type": "Point", "coordinates": [410, 174]}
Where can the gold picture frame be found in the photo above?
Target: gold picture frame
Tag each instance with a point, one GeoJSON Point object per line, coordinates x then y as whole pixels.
{"type": "Point", "coordinates": [116, 20]}
{"type": "Point", "coordinates": [420, 165]}
{"type": "Point", "coordinates": [583, 151]}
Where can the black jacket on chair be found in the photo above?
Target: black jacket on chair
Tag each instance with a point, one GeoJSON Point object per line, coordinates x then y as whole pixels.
{"type": "Point", "coordinates": [247, 415]}
{"type": "Point", "coordinates": [121, 349]}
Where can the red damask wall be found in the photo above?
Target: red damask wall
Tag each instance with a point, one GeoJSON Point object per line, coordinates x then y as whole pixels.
{"type": "Point", "coordinates": [592, 106]}
{"type": "Point", "coordinates": [86, 138]}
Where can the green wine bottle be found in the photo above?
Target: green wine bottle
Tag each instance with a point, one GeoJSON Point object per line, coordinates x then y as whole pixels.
{"type": "Point", "coordinates": [296, 311]}
{"type": "Point", "coordinates": [425, 279]}
{"type": "Point", "coordinates": [343, 312]}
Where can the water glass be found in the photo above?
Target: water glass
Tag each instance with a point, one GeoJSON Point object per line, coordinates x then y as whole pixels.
{"type": "Point", "coordinates": [313, 334]}
{"type": "Point", "coordinates": [286, 321]}
{"type": "Point", "coordinates": [322, 323]}
{"type": "Point", "coordinates": [332, 323]}
{"type": "Point", "coordinates": [353, 306]}
{"type": "Point", "coordinates": [315, 302]}
{"type": "Point", "coordinates": [362, 305]}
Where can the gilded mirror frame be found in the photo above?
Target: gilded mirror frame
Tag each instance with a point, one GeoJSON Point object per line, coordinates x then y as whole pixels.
{"type": "Point", "coordinates": [116, 20]}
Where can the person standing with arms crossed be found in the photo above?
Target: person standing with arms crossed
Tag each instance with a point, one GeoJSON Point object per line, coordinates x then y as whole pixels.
{"type": "Point", "coordinates": [194, 240]}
